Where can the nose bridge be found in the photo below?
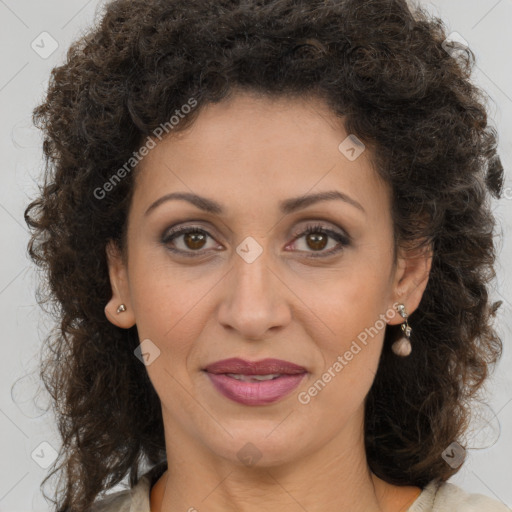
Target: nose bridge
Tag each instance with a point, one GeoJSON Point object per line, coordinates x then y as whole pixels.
{"type": "Point", "coordinates": [253, 303]}
{"type": "Point", "coordinates": [251, 277]}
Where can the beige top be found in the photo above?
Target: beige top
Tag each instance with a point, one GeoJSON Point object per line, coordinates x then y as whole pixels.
{"type": "Point", "coordinates": [435, 497]}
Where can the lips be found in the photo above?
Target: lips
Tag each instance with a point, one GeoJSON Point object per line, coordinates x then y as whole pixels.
{"type": "Point", "coordinates": [263, 367]}
{"type": "Point", "coordinates": [237, 379]}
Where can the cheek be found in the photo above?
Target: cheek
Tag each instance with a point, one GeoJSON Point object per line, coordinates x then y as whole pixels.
{"type": "Point", "coordinates": [350, 349]}
{"type": "Point", "coordinates": [348, 324]}
{"type": "Point", "coordinates": [165, 303]}
{"type": "Point", "coordinates": [350, 299]}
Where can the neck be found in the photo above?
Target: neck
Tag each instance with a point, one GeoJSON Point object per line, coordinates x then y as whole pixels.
{"type": "Point", "coordinates": [334, 478]}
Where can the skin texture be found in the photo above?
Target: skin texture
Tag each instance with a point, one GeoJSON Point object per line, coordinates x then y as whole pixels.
{"type": "Point", "coordinates": [249, 153]}
{"type": "Point", "coordinates": [427, 129]}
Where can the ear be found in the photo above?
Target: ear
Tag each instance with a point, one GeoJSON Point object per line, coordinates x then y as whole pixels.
{"type": "Point", "coordinates": [120, 290]}
{"type": "Point", "coordinates": [410, 279]}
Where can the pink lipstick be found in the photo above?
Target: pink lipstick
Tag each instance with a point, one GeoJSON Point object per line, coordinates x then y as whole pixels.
{"type": "Point", "coordinates": [255, 382]}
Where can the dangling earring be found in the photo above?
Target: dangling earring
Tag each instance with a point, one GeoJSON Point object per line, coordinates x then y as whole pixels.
{"type": "Point", "coordinates": [121, 308]}
{"type": "Point", "coordinates": [402, 346]}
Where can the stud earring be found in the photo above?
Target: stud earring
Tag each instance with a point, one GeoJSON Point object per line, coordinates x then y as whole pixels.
{"type": "Point", "coordinates": [402, 346]}
{"type": "Point", "coordinates": [121, 308]}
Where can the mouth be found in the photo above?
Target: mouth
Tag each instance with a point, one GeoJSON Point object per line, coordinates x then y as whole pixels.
{"type": "Point", "coordinates": [265, 367]}
{"type": "Point", "coordinates": [257, 382]}
{"type": "Point", "coordinates": [253, 378]}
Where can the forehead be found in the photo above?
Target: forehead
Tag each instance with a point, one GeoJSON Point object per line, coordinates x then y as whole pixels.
{"type": "Point", "coordinates": [253, 148]}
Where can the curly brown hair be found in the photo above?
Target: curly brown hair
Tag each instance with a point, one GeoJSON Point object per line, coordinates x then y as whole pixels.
{"type": "Point", "coordinates": [384, 67]}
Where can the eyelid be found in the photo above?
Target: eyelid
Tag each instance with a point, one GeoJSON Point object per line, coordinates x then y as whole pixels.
{"type": "Point", "coordinates": [178, 231]}
{"type": "Point", "coordinates": [343, 240]}
{"type": "Point", "coordinates": [322, 225]}
{"type": "Point", "coordinates": [337, 234]}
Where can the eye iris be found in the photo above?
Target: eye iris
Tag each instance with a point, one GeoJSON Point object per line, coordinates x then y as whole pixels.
{"type": "Point", "coordinates": [194, 240]}
{"type": "Point", "coordinates": [317, 238]}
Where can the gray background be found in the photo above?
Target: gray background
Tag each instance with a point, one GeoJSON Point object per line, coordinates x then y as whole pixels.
{"type": "Point", "coordinates": [28, 434]}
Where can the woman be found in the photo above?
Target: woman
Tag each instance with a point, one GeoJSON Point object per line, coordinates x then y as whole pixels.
{"type": "Point", "coordinates": [266, 226]}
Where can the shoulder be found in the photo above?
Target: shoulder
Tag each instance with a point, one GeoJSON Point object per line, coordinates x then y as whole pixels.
{"type": "Point", "coordinates": [136, 499]}
{"type": "Point", "coordinates": [116, 502]}
{"type": "Point", "coordinates": [448, 497]}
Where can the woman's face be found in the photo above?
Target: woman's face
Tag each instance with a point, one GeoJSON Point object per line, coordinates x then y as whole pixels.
{"type": "Point", "coordinates": [250, 284]}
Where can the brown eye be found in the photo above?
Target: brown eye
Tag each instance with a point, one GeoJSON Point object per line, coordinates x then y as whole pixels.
{"type": "Point", "coordinates": [194, 240]}
{"type": "Point", "coordinates": [187, 241]}
{"type": "Point", "coordinates": [317, 241]}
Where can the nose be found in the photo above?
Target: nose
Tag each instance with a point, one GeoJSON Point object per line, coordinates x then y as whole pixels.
{"type": "Point", "coordinates": [255, 299]}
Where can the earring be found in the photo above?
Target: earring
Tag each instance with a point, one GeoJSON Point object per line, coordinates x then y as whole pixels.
{"type": "Point", "coordinates": [121, 308]}
{"type": "Point", "coordinates": [402, 346]}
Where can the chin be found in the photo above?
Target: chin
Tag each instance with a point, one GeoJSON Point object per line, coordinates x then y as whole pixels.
{"type": "Point", "coordinates": [258, 447]}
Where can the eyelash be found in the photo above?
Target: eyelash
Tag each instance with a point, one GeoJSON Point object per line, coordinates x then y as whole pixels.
{"type": "Point", "coordinates": [343, 240]}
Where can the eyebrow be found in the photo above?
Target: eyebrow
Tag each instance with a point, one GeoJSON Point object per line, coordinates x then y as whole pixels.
{"type": "Point", "coordinates": [286, 207]}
